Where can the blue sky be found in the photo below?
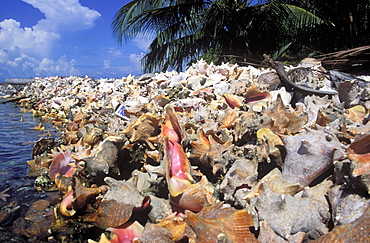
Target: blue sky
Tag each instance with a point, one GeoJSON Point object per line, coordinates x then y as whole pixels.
{"type": "Point", "coordinates": [64, 37]}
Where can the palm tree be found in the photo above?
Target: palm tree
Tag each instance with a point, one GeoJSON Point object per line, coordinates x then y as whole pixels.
{"type": "Point", "coordinates": [350, 23]}
{"type": "Point", "coordinates": [218, 30]}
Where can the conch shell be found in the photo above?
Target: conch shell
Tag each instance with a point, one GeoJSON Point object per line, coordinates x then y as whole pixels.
{"type": "Point", "coordinates": [217, 223]}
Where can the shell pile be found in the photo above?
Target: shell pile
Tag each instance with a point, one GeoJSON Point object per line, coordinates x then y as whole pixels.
{"type": "Point", "coordinates": [218, 153]}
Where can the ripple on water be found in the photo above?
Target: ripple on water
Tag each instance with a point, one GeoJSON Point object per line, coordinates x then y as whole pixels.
{"type": "Point", "coordinates": [17, 139]}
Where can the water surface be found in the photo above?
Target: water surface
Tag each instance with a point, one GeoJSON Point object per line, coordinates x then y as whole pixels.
{"type": "Point", "coordinates": [17, 138]}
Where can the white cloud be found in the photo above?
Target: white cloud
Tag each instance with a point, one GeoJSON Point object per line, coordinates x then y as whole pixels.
{"type": "Point", "coordinates": [30, 67]}
{"type": "Point", "coordinates": [49, 67]}
{"type": "Point", "coordinates": [143, 42]}
{"type": "Point", "coordinates": [106, 64]}
{"type": "Point", "coordinates": [135, 60]}
{"type": "Point", "coordinates": [28, 51]}
{"type": "Point", "coordinates": [64, 15]}
{"type": "Point", "coordinates": [112, 67]}
{"type": "Point", "coordinates": [115, 54]}
{"type": "Point", "coordinates": [17, 41]}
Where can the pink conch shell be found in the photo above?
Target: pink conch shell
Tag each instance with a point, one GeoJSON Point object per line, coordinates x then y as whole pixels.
{"type": "Point", "coordinates": [171, 127]}
{"type": "Point", "coordinates": [127, 233]}
{"type": "Point", "coordinates": [66, 207]}
{"type": "Point", "coordinates": [233, 101]}
{"type": "Point", "coordinates": [177, 169]}
{"type": "Point", "coordinates": [60, 164]}
{"type": "Point", "coordinates": [256, 98]}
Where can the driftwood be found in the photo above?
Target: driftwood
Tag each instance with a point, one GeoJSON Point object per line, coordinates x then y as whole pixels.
{"type": "Point", "coordinates": [355, 61]}
{"type": "Point", "coordinates": [279, 67]}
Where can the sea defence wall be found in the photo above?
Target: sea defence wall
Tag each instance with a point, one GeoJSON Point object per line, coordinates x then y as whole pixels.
{"type": "Point", "coordinates": [12, 86]}
{"type": "Point", "coordinates": [19, 81]}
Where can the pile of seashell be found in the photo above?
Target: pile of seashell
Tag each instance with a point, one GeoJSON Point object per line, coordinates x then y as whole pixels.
{"type": "Point", "coordinates": [214, 154]}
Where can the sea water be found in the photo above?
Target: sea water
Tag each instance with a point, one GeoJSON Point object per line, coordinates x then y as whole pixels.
{"type": "Point", "coordinates": [17, 139]}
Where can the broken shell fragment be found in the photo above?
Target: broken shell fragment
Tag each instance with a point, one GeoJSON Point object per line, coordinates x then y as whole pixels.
{"type": "Point", "coordinates": [359, 153]}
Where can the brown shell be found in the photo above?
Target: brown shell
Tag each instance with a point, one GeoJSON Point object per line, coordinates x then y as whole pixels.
{"type": "Point", "coordinates": [208, 149]}
{"type": "Point", "coordinates": [146, 126]}
{"type": "Point", "coordinates": [117, 204]}
{"type": "Point", "coordinates": [92, 137]}
{"type": "Point", "coordinates": [359, 153]}
{"type": "Point", "coordinates": [105, 155]}
{"type": "Point", "coordinates": [62, 182]}
{"type": "Point", "coordinates": [284, 121]}
{"type": "Point", "coordinates": [83, 195]}
{"type": "Point", "coordinates": [175, 225]}
{"type": "Point", "coordinates": [214, 223]}
{"type": "Point", "coordinates": [38, 164]}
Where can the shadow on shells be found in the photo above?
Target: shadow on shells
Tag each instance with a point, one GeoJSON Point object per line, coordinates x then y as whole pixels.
{"type": "Point", "coordinates": [117, 205]}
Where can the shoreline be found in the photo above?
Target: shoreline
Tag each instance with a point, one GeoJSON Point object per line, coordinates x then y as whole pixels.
{"type": "Point", "coordinates": [233, 134]}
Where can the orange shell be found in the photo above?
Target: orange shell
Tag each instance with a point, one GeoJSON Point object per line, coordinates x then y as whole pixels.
{"type": "Point", "coordinates": [215, 222]}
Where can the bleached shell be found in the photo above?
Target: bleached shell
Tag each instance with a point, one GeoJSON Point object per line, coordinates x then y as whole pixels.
{"type": "Point", "coordinates": [358, 231]}
{"type": "Point", "coordinates": [242, 174]}
{"type": "Point", "coordinates": [286, 97]}
{"type": "Point", "coordinates": [313, 105]}
{"type": "Point", "coordinates": [309, 155]}
{"type": "Point", "coordinates": [192, 103]}
{"type": "Point", "coordinates": [346, 207]}
{"type": "Point", "coordinates": [299, 213]}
